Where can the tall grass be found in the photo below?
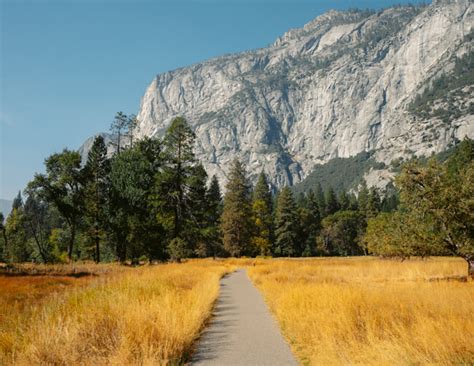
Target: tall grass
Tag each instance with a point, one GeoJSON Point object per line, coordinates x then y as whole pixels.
{"type": "Point", "coordinates": [150, 315]}
{"type": "Point", "coordinates": [370, 311]}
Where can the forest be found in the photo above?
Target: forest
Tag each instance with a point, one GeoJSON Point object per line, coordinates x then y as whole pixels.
{"type": "Point", "coordinates": [153, 201]}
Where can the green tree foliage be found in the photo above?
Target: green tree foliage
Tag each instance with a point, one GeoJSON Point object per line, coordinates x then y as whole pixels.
{"type": "Point", "coordinates": [131, 125]}
{"type": "Point", "coordinates": [321, 200]}
{"type": "Point", "coordinates": [363, 199]}
{"type": "Point", "coordinates": [344, 201]}
{"type": "Point", "coordinates": [402, 234]}
{"type": "Point", "coordinates": [437, 210]}
{"type": "Point", "coordinates": [62, 185]}
{"type": "Point", "coordinates": [178, 249]}
{"type": "Point", "coordinates": [309, 224]}
{"type": "Point", "coordinates": [286, 225]}
{"type": "Point", "coordinates": [236, 221]}
{"type": "Point", "coordinates": [343, 174]}
{"type": "Point", "coordinates": [373, 205]}
{"type": "Point", "coordinates": [97, 177]}
{"type": "Point", "coordinates": [262, 216]}
{"type": "Point", "coordinates": [213, 216]}
{"type": "Point", "coordinates": [18, 249]}
{"type": "Point", "coordinates": [38, 223]}
{"type": "Point", "coordinates": [135, 229]}
{"type": "Point", "coordinates": [3, 239]}
{"type": "Point", "coordinates": [332, 205]}
{"type": "Point", "coordinates": [341, 234]}
{"type": "Point", "coordinates": [173, 182]}
{"type": "Point", "coordinates": [196, 225]}
{"type": "Point", "coordinates": [18, 201]}
{"type": "Point", "coordinates": [119, 128]}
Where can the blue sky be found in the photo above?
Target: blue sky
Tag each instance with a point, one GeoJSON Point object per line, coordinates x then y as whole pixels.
{"type": "Point", "coordinates": [67, 66]}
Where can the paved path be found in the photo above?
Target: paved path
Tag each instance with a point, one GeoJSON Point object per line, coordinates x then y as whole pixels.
{"type": "Point", "coordinates": [242, 331]}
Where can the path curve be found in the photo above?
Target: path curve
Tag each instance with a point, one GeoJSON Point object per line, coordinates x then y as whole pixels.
{"type": "Point", "coordinates": [242, 331]}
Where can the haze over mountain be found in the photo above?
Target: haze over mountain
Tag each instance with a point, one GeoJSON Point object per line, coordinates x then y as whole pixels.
{"type": "Point", "coordinates": [397, 82]}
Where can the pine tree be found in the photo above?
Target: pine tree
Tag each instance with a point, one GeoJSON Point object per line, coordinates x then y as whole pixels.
{"type": "Point", "coordinates": [133, 195]}
{"type": "Point", "coordinates": [236, 221]}
{"type": "Point", "coordinates": [130, 127]}
{"type": "Point", "coordinates": [373, 203]}
{"type": "Point", "coordinates": [179, 164]}
{"type": "Point", "coordinates": [18, 201]}
{"type": "Point", "coordinates": [309, 224]}
{"type": "Point", "coordinates": [97, 176]}
{"type": "Point", "coordinates": [320, 199]}
{"type": "Point", "coordinates": [344, 201]}
{"type": "Point", "coordinates": [262, 216]}
{"type": "Point", "coordinates": [18, 249]}
{"type": "Point", "coordinates": [118, 128]}
{"type": "Point", "coordinates": [332, 206]}
{"type": "Point", "coordinates": [3, 239]}
{"type": "Point", "coordinates": [286, 224]}
{"type": "Point", "coordinates": [195, 228]}
{"type": "Point", "coordinates": [213, 215]}
{"type": "Point", "coordinates": [363, 199]}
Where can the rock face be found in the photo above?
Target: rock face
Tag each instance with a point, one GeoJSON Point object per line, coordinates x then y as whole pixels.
{"type": "Point", "coordinates": [340, 85]}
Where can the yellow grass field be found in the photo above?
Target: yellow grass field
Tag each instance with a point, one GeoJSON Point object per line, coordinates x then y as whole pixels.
{"type": "Point", "coordinates": [148, 315]}
{"type": "Point", "coordinates": [370, 311]}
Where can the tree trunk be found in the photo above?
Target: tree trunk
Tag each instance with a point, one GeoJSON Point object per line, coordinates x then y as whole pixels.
{"type": "Point", "coordinates": [5, 237]}
{"type": "Point", "coordinates": [97, 247]}
{"type": "Point", "coordinates": [470, 265]}
{"type": "Point", "coordinates": [71, 241]}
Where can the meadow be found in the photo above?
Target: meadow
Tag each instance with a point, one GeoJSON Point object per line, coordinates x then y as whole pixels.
{"type": "Point", "coordinates": [115, 315]}
{"type": "Point", "coordinates": [335, 311]}
{"type": "Point", "coordinates": [369, 311]}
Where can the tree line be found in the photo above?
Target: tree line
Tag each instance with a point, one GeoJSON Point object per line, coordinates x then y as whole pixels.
{"type": "Point", "coordinates": [153, 200]}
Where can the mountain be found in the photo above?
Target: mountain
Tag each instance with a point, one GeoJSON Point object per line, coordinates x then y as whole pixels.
{"type": "Point", "coordinates": [5, 207]}
{"type": "Point", "coordinates": [396, 83]}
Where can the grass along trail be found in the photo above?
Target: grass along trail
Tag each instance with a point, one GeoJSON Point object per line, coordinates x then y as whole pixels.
{"type": "Point", "coordinates": [143, 316]}
{"type": "Point", "coordinates": [340, 311]}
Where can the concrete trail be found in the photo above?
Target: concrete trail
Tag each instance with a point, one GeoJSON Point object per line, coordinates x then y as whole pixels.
{"type": "Point", "coordinates": [242, 331]}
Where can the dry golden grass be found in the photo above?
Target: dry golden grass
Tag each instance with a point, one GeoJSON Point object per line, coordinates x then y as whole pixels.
{"type": "Point", "coordinates": [148, 315]}
{"type": "Point", "coordinates": [370, 311]}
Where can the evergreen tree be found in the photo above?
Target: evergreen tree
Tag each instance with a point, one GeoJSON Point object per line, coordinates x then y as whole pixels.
{"type": "Point", "coordinates": [389, 202]}
{"type": "Point", "coordinates": [353, 202]}
{"type": "Point", "coordinates": [332, 206]}
{"type": "Point", "coordinates": [309, 224]}
{"type": "Point", "coordinates": [344, 201]}
{"type": "Point", "coordinates": [363, 199]}
{"type": "Point", "coordinates": [18, 249]}
{"type": "Point", "coordinates": [174, 179]}
{"type": "Point", "coordinates": [133, 220]}
{"type": "Point", "coordinates": [213, 215]}
{"type": "Point", "coordinates": [18, 201]}
{"type": "Point", "coordinates": [373, 203]}
{"type": "Point", "coordinates": [286, 224]}
{"type": "Point", "coordinates": [130, 127]}
{"type": "Point", "coordinates": [62, 186]}
{"type": "Point", "coordinates": [118, 128]}
{"type": "Point", "coordinates": [195, 228]}
{"type": "Point", "coordinates": [262, 216]}
{"type": "Point", "coordinates": [236, 220]}
{"type": "Point", "coordinates": [320, 199]}
{"type": "Point", "coordinates": [3, 239]}
{"type": "Point", "coordinates": [97, 177]}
